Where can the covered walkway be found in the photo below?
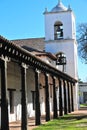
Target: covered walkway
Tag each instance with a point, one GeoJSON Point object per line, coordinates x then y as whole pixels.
{"type": "Point", "coordinates": [11, 53]}
{"type": "Point", "coordinates": [31, 124]}
{"type": "Point", "coordinates": [81, 113]}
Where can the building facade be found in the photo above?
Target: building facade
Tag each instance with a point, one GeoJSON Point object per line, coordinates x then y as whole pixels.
{"type": "Point", "coordinates": [60, 35]}
{"type": "Point", "coordinates": [82, 92]}
{"type": "Point", "coordinates": [33, 82]}
{"type": "Point", "coordinates": [60, 38]}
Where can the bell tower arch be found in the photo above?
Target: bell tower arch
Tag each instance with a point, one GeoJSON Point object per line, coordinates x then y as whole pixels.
{"type": "Point", "coordinates": [58, 30]}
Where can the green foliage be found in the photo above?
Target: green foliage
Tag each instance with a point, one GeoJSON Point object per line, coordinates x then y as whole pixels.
{"type": "Point", "coordinates": [68, 122]}
{"type": "Point", "coordinates": [83, 105]}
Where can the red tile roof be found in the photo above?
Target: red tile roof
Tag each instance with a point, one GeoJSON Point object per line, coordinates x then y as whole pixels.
{"type": "Point", "coordinates": [36, 43]}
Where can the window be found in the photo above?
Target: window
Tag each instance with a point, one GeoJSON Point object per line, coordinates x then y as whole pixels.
{"type": "Point", "coordinates": [58, 30]}
{"type": "Point", "coordinates": [51, 85]}
{"type": "Point", "coordinates": [11, 100]}
{"type": "Point", "coordinates": [33, 99]}
{"type": "Point", "coordinates": [61, 60]}
{"type": "Point", "coordinates": [85, 97]}
{"type": "Point", "coordinates": [0, 102]}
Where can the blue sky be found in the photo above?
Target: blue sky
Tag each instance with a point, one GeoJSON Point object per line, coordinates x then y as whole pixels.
{"type": "Point", "coordinates": [21, 19]}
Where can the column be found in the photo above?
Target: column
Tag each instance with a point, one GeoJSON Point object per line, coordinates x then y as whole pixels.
{"type": "Point", "coordinates": [68, 89]}
{"type": "Point", "coordinates": [4, 99]}
{"type": "Point", "coordinates": [65, 98]}
{"type": "Point", "coordinates": [23, 98]}
{"type": "Point", "coordinates": [55, 115]}
{"type": "Point", "coordinates": [37, 102]}
{"type": "Point", "coordinates": [72, 103]}
{"type": "Point", "coordinates": [60, 99]}
{"type": "Point", "coordinates": [47, 98]}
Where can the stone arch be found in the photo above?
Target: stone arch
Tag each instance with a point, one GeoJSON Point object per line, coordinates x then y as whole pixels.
{"type": "Point", "coordinates": [58, 30]}
{"type": "Point", "coordinates": [61, 60]}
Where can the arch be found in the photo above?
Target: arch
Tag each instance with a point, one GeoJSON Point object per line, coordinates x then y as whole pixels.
{"type": "Point", "coordinates": [58, 30]}
{"type": "Point", "coordinates": [61, 60]}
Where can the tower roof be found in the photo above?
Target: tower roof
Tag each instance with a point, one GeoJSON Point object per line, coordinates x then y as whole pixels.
{"type": "Point", "coordinates": [59, 7]}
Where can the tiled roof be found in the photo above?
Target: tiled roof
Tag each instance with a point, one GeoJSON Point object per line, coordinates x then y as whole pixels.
{"type": "Point", "coordinates": [39, 52]}
{"type": "Point", "coordinates": [12, 50]}
{"type": "Point", "coordinates": [36, 43]}
{"type": "Point", "coordinates": [47, 54]}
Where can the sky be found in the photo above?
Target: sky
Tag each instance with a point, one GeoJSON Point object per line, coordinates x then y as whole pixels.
{"type": "Point", "coordinates": [20, 19]}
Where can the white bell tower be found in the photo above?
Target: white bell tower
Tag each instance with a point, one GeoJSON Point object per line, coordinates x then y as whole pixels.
{"type": "Point", "coordinates": [60, 35]}
{"type": "Point", "coordinates": [60, 38]}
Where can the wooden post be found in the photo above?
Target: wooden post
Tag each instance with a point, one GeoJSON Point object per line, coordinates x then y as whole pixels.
{"type": "Point", "coordinates": [47, 98]}
{"type": "Point", "coordinates": [55, 115]}
{"type": "Point", "coordinates": [37, 102]}
{"type": "Point", "coordinates": [4, 99]}
{"type": "Point", "coordinates": [23, 98]}
{"type": "Point", "coordinates": [65, 99]}
{"type": "Point", "coordinates": [69, 107]}
{"type": "Point", "coordinates": [72, 103]}
{"type": "Point", "coordinates": [60, 99]}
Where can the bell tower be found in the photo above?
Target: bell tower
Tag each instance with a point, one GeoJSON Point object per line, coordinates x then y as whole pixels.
{"type": "Point", "coordinates": [60, 35]}
{"type": "Point", "coordinates": [60, 39]}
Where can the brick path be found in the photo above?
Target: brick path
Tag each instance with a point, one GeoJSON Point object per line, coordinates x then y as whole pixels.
{"type": "Point", "coordinates": [31, 121]}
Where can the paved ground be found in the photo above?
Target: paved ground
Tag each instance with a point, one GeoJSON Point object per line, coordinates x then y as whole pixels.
{"type": "Point", "coordinates": [31, 124]}
{"type": "Point", "coordinates": [31, 121]}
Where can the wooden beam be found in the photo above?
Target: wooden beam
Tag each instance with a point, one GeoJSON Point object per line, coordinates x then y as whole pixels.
{"type": "Point", "coordinates": [37, 102]}
{"type": "Point", "coordinates": [55, 115]}
{"type": "Point", "coordinates": [72, 102]}
{"type": "Point", "coordinates": [65, 98]}
{"type": "Point", "coordinates": [47, 98]}
{"type": "Point", "coordinates": [4, 96]}
{"type": "Point", "coordinates": [60, 98]}
{"type": "Point", "coordinates": [23, 98]}
{"type": "Point", "coordinates": [68, 89]}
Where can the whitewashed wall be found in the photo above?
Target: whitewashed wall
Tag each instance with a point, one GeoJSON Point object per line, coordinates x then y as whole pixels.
{"type": "Point", "coordinates": [82, 89]}
{"type": "Point", "coordinates": [67, 19]}
{"type": "Point", "coordinates": [67, 47]}
{"type": "Point", "coordinates": [14, 82]}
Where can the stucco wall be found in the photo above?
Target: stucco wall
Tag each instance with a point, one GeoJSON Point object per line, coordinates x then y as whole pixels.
{"type": "Point", "coordinates": [14, 82]}
{"type": "Point", "coordinates": [82, 89]}
{"type": "Point", "coordinates": [68, 47]}
{"type": "Point", "coordinates": [67, 19]}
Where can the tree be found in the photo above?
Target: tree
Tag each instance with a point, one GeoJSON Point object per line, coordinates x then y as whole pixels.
{"type": "Point", "coordinates": [82, 41]}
